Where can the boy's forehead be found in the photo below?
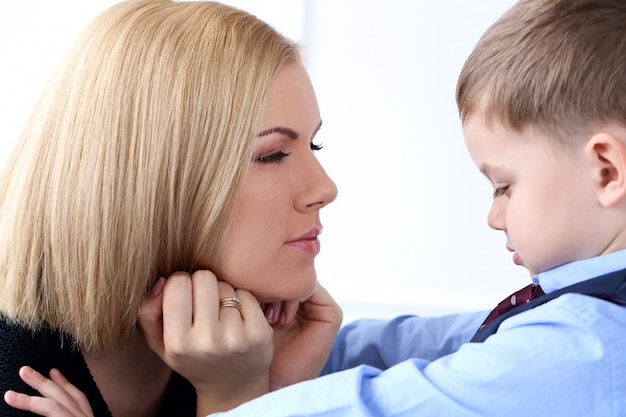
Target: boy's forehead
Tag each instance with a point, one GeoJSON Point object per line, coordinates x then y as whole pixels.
{"type": "Point", "coordinates": [486, 121]}
{"type": "Point", "coordinates": [480, 126]}
{"type": "Point", "coordinates": [487, 170]}
{"type": "Point", "coordinates": [477, 128]}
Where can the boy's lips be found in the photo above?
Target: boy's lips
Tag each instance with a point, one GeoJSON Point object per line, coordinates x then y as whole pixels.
{"type": "Point", "coordinates": [517, 260]}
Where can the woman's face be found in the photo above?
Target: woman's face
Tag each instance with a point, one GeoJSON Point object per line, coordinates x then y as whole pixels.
{"type": "Point", "coordinates": [272, 243]}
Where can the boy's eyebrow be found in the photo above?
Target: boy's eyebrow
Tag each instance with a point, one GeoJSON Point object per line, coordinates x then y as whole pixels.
{"type": "Point", "coordinates": [487, 171]}
{"type": "Point", "coordinates": [290, 133]}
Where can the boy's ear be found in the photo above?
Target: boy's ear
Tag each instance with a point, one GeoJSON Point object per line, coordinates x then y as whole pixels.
{"type": "Point", "coordinates": [608, 155]}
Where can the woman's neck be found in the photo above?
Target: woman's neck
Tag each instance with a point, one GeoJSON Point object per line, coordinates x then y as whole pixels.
{"type": "Point", "coordinates": [133, 381]}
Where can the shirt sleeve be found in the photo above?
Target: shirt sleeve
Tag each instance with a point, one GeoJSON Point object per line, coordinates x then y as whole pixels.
{"type": "Point", "coordinates": [384, 343]}
{"type": "Point", "coordinates": [560, 359]}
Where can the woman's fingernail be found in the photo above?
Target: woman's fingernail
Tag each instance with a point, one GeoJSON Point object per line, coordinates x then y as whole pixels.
{"type": "Point", "coordinates": [283, 317]}
{"type": "Point", "coordinates": [269, 314]}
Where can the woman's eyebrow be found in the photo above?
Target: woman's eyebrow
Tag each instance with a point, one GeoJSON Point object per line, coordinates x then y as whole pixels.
{"type": "Point", "coordinates": [290, 133]}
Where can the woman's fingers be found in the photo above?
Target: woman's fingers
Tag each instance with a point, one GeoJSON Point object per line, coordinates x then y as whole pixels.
{"type": "Point", "coordinates": [230, 311]}
{"type": "Point", "coordinates": [252, 316]}
{"type": "Point", "coordinates": [177, 305]}
{"type": "Point", "coordinates": [205, 329]}
{"type": "Point", "coordinates": [289, 309]}
{"type": "Point", "coordinates": [281, 312]}
{"type": "Point", "coordinates": [273, 312]}
{"type": "Point", "coordinates": [151, 317]}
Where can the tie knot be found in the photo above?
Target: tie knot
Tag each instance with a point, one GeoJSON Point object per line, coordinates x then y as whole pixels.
{"type": "Point", "coordinates": [525, 295]}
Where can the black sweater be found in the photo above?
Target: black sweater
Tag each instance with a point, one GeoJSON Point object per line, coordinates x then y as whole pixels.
{"type": "Point", "coordinates": [48, 349]}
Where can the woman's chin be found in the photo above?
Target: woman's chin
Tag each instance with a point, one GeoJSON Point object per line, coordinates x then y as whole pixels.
{"type": "Point", "coordinates": [299, 294]}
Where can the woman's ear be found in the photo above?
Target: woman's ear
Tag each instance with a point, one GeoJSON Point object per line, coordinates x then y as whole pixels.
{"type": "Point", "coordinates": [608, 157]}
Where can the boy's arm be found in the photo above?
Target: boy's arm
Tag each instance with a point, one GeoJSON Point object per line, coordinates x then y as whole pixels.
{"type": "Point", "coordinates": [539, 363]}
{"type": "Point", "coordinates": [384, 343]}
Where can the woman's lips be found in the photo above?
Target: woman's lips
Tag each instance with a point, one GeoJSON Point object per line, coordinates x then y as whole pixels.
{"type": "Point", "coordinates": [308, 242]}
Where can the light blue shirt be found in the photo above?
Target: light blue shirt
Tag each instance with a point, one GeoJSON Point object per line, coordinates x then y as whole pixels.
{"type": "Point", "coordinates": [566, 357]}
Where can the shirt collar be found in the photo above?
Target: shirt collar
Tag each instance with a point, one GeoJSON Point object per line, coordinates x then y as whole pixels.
{"type": "Point", "coordinates": [578, 271]}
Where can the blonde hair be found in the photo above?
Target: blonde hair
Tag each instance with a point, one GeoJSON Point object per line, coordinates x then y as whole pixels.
{"type": "Point", "coordinates": [131, 163]}
{"type": "Point", "coordinates": [556, 66]}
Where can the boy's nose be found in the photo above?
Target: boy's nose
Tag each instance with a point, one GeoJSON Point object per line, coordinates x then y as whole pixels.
{"type": "Point", "coordinates": [496, 217]}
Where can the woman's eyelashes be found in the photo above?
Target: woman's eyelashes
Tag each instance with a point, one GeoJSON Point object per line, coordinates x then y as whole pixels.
{"type": "Point", "coordinates": [271, 157]}
{"type": "Point", "coordinates": [316, 147]}
{"type": "Point", "coordinates": [279, 155]}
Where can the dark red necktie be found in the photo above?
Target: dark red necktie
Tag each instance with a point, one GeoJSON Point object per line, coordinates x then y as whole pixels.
{"type": "Point", "coordinates": [522, 296]}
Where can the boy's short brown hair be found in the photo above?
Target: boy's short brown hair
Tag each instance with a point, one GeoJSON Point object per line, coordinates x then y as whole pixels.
{"type": "Point", "coordinates": [557, 66]}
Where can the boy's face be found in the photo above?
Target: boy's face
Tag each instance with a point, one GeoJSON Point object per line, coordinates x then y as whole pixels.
{"type": "Point", "coordinates": [544, 196]}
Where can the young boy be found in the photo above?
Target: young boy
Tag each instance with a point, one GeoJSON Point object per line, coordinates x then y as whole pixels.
{"type": "Point", "coordinates": [543, 104]}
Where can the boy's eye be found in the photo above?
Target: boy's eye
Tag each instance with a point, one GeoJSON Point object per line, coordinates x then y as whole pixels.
{"type": "Point", "coordinates": [500, 191]}
{"type": "Point", "coordinates": [271, 157]}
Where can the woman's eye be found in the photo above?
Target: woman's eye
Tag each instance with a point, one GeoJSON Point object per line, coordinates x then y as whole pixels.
{"type": "Point", "coordinates": [271, 157]}
{"type": "Point", "coordinates": [316, 147]}
{"type": "Point", "coordinates": [500, 191]}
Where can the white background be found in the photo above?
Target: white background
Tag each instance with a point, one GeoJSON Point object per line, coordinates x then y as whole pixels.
{"type": "Point", "coordinates": [408, 232]}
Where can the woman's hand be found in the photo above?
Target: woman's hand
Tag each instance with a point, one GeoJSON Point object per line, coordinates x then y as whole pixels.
{"type": "Point", "coordinates": [302, 346]}
{"type": "Point", "coordinates": [60, 398]}
{"type": "Point", "coordinates": [224, 352]}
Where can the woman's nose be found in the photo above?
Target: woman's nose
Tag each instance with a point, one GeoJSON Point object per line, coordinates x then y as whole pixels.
{"type": "Point", "coordinates": [318, 189]}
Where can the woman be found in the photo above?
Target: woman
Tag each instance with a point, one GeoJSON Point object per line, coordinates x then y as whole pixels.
{"type": "Point", "coordinates": [175, 137]}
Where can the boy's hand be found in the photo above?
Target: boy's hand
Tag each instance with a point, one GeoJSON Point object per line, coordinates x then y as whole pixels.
{"type": "Point", "coordinates": [224, 352]}
{"type": "Point", "coordinates": [60, 398]}
{"type": "Point", "coordinates": [302, 346]}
